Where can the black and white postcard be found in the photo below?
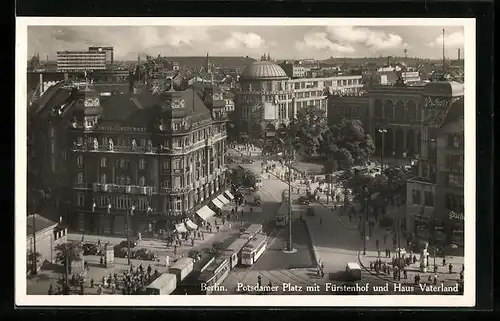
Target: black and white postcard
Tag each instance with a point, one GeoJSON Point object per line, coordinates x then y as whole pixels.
{"type": "Point", "coordinates": [245, 162]}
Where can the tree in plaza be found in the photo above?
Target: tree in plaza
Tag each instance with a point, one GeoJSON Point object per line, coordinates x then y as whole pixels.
{"type": "Point", "coordinates": [29, 259]}
{"type": "Point", "coordinates": [347, 143]}
{"type": "Point", "coordinates": [68, 253]}
{"type": "Point", "coordinates": [311, 124]}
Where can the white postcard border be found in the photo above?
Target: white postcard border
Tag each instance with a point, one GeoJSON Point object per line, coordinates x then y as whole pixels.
{"type": "Point", "coordinates": [465, 300]}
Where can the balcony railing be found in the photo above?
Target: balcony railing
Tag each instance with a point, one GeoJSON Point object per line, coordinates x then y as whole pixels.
{"type": "Point", "coordinates": [125, 189]}
{"type": "Point", "coordinates": [147, 149]}
{"type": "Point", "coordinates": [79, 185]}
{"type": "Point", "coordinates": [178, 190]}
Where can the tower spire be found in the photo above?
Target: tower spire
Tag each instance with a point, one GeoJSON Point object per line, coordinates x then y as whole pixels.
{"type": "Point", "coordinates": [444, 59]}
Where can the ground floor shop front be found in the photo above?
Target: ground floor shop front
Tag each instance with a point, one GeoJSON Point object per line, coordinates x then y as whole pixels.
{"type": "Point", "coordinates": [427, 226]}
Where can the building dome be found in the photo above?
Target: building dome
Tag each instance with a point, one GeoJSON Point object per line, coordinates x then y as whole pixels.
{"type": "Point", "coordinates": [263, 70]}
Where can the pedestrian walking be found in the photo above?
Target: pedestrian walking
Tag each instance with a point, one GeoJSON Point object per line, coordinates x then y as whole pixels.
{"type": "Point", "coordinates": [417, 278]}
{"type": "Point", "coordinates": [435, 279]}
{"type": "Point", "coordinates": [259, 280]}
{"type": "Point", "coordinates": [175, 250]}
{"type": "Point", "coordinates": [405, 274]}
{"type": "Point", "coordinates": [444, 261]}
{"type": "Point", "coordinates": [50, 291]}
{"type": "Point", "coordinates": [450, 268]}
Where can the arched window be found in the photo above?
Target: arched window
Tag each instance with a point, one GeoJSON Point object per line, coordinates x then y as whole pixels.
{"type": "Point", "coordinates": [388, 110]}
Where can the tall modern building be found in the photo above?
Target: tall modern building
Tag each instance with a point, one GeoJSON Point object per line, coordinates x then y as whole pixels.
{"type": "Point", "coordinates": [109, 51]}
{"type": "Point", "coordinates": [435, 198]}
{"type": "Point", "coordinates": [81, 60]}
{"type": "Point", "coordinates": [156, 155]}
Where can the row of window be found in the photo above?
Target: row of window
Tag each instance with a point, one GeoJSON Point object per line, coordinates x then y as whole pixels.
{"type": "Point", "coordinates": [398, 111]}
{"type": "Point", "coordinates": [455, 162]}
{"type": "Point", "coordinates": [456, 140]}
{"type": "Point", "coordinates": [308, 94]}
{"type": "Point", "coordinates": [417, 198]}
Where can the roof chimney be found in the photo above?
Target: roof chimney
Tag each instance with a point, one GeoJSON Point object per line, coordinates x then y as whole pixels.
{"type": "Point", "coordinates": [458, 53]}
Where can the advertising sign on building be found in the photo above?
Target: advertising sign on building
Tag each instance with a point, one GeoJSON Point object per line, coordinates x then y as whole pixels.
{"type": "Point", "coordinates": [456, 216]}
{"type": "Point", "coordinates": [436, 103]}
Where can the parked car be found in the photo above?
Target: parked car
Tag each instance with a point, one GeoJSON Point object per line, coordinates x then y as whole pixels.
{"type": "Point", "coordinates": [132, 243]}
{"type": "Point", "coordinates": [144, 254]}
{"type": "Point", "coordinates": [91, 249]}
{"type": "Point", "coordinates": [247, 161]}
{"type": "Point", "coordinates": [303, 200]}
{"type": "Point", "coordinates": [121, 252]}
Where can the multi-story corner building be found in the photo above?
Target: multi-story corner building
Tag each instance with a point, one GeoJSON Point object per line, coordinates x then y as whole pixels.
{"type": "Point", "coordinates": [81, 60]}
{"type": "Point", "coordinates": [156, 153]}
{"type": "Point", "coordinates": [395, 112]}
{"type": "Point", "coordinates": [435, 198]}
{"type": "Point", "coordinates": [268, 98]}
{"type": "Point", "coordinates": [47, 152]}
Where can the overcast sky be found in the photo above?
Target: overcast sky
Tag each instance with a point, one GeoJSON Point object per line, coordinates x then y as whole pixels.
{"type": "Point", "coordinates": [283, 42]}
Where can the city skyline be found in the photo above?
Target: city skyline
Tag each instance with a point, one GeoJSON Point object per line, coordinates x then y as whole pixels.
{"type": "Point", "coordinates": [282, 42]}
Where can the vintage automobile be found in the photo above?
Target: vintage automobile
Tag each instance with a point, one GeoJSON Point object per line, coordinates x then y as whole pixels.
{"type": "Point", "coordinates": [132, 243]}
{"type": "Point", "coordinates": [144, 254]}
{"type": "Point", "coordinates": [121, 252]}
{"type": "Point", "coordinates": [303, 200]}
{"type": "Point", "coordinates": [91, 249]}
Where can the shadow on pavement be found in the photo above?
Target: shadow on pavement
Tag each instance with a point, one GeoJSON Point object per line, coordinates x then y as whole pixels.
{"type": "Point", "coordinates": [53, 267]}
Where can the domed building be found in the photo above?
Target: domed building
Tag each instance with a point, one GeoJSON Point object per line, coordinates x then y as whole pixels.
{"type": "Point", "coordinates": [264, 101]}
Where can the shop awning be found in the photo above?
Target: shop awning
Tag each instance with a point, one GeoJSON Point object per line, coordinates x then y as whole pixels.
{"type": "Point", "coordinates": [218, 203]}
{"type": "Point", "coordinates": [230, 196]}
{"type": "Point", "coordinates": [191, 225]}
{"type": "Point", "coordinates": [223, 200]}
{"type": "Point", "coordinates": [205, 213]}
{"type": "Point", "coordinates": [180, 228]}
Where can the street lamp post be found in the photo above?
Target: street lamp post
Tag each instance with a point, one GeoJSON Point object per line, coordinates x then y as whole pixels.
{"type": "Point", "coordinates": [382, 131]}
{"type": "Point", "coordinates": [365, 192]}
{"type": "Point", "coordinates": [128, 232]}
{"type": "Point", "coordinates": [34, 246]}
{"type": "Point", "coordinates": [289, 246]}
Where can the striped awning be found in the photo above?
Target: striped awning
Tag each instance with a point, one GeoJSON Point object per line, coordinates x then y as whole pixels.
{"type": "Point", "coordinates": [191, 225]}
{"type": "Point", "coordinates": [228, 193]}
{"type": "Point", "coordinates": [180, 228]}
{"type": "Point", "coordinates": [223, 200]}
{"type": "Point", "coordinates": [218, 203]}
{"type": "Point", "coordinates": [205, 213]}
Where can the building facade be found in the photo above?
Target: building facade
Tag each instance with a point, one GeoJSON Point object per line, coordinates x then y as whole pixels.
{"type": "Point", "coordinates": [80, 60]}
{"type": "Point", "coordinates": [435, 198]}
{"type": "Point", "coordinates": [355, 106]}
{"type": "Point", "coordinates": [156, 153]}
{"type": "Point", "coordinates": [109, 51]}
{"type": "Point", "coordinates": [294, 70]}
{"type": "Point", "coordinates": [395, 112]}
{"type": "Point", "coordinates": [268, 98]}
{"type": "Point", "coordinates": [42, 236]}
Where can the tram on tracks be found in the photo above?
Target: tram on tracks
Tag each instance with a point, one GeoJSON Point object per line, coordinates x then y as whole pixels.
{"type": "Point", "coordinates": [253, 250]}
{"type": "Point", "coordinates": [214, 275]}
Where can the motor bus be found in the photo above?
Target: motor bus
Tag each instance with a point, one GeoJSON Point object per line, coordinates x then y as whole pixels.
{"type": "Point", "coordinates": [234, 251]}
{"type": "Point", "coordinates": [282, 214]}
{"type": "Point", "coordinates": [163, 285]}
{"type": "Point", "coordinates": [182, 268]}
{"type": "Point", "coordinates": [253, 250]}
{"type": "Point", "coordinates": [214, 275]}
